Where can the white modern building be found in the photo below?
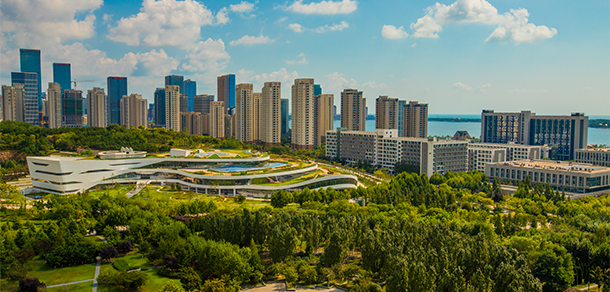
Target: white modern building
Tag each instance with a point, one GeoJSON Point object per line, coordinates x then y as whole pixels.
{"type": "Point", "coordinates": [481, 153]}
{"type": "Point", "coordinates": [202, 172]}
{"type": "Point", "coordinates": [595, 156]}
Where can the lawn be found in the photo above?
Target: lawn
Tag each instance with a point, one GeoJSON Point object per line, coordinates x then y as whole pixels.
{"type": "Point", "coordinates": [156, 282]}
{"type": "Point", "coordinates": [51, 276]}
{"type": "Point", "coordinates": [81, 287]}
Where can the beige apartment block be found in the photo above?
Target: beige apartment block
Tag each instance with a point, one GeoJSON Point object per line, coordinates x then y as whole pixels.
{"type": "Point", "coordinates": [270, 115]}
{"type": "Point", "coordinates": [13, 102]}
{"type": "Point", "coordinates": [386, 113]}
{"type": "Point", "coordinates": [54, 105]}
{"type": "Point", "coordinates": [192, 123]}
{"type": "Point", "coordinates": [303, 114]}
{"type": "Point", "coordinates": [244, 113]}
{"type": "Point", "coordinates": [217, 119]}
{"type": "Point", "coordinates": [353, 110]}
{"type": "Point", "coordinates": [133, 111]}
{"type": "Point", "coordinates": [324, 116]}
{"type": "Point", "coordinates": [415, 119]}
{"type": "Point", "coordinates": [172, 107]}
{"type": "Point", "coordinates": [256, 113]}
{"type": "Point", "coordinates": [96, 107]}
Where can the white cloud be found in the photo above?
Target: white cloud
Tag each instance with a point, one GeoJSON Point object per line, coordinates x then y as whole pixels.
{"type": "Point", "coordinates": [207, 58]}
{"type": "Point", "coordinates": [243, 7]}
{"type": "Point", "coordinates": [296, 27]}
{"type": "Point", "coordinates": [324, 7]}
{"type": "Point", "coordinates": [334, 27]}
{"type": "Point", "coordinates": [243, 76]}
{"type": "Point", "coordinates": [301, 55]}
{"type": "Point", "coordinates": [107, 17]}
{"type": "Point", "coordinates": [297, 62]}
{"type": "Point", "coordinates": [282, 19]}
{"type": "Point", "coordinates": [511, 25]}
{"type": "Point", "coordinates": [413, 45]}
{"type": "Point", "coordinates": [461, 86]}
{"type": "Point", "coordinates": [222, 17]}
{"type": "Point", "coordinates": [335, 82]}
{"type": "Point", "coordinates": [163, 23]}
{"type": "Point", "coordinates": [29, 23]}
{"type": "Point", "coordinates": [252, 40]}
{"type": "Point", "coordinates": [373, 84]}
{"type": "Point", "coordinates": [483, 88]}
{"type": "Point", "coordinates": [391, 32]}
{"type": "Point", "coordinates": [322, 29]}
{"type": "Point", "coordinates": [281, 75]}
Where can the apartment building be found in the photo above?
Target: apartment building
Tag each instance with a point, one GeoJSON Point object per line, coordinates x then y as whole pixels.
{"type": "Point", "coordinates": [303, 114]}
{"type": "Point", "coordinates": [595, 156]}
{"type": "Point", "coordinates": [353, 110]}
{"type": "Point", "coordinates": [270, 113]}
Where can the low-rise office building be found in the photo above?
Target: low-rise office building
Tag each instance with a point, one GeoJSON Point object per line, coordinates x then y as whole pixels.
{"type": "Point", "coordinates": [383, 148]}
{"type": "Point", "coordinates": [566, 176]}
{"type": "Point", "coordinates": [481, 153]}
{"type": "Point", "coordinates": [595, 156]}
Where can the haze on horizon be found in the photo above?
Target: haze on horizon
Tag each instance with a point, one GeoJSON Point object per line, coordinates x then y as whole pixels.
{"type": "Point", "coordinates": [458, 56]}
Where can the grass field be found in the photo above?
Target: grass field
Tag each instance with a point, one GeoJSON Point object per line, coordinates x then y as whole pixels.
{"type": "Point", "coordinates": [51, 276]}
{"type": "Point", "coordinates": [81, 287]}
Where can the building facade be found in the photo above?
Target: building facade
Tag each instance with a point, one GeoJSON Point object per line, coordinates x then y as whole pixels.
{"type": "Point", "coordinates": [13, 100]}
{"type": "Point", "coordinates": [72, 108]}
{"type": "Point", "coordinates": [386, 113]}
{"type": "Point", "coordinates": [202, 103]}
{"type": "Point", "coordinates": [217, 119]}
{"type": "Point", "coordinates": [133, 111]}
{"type": "Point", "coordinates": [353, 110]}
{"type": "Point", "coordinates": [257, 98]}
{"type": "Point", "coordinates": [30, 62]}
{"type": "Point", "coordinates": [270, 113]}
{"type": "Point", "coordinates": [564, 134]}
{"type": "Point", "coordinates": [566, 176]}
{"type": "Point", "coordinates": [172, 107]}
{"type": "Point", "coordinates": [324, 116]}
{"type": "Point", "coordinates": [29, 80]}
{"type": "Point", "coordinates": [159, 97]}
{"type": "Point", "coordinates": [415, 120]}
{"type": "Point", "coordinates": [54, 105]}
{"type": "Point", "coordinates": [595, 156]}
{"type": "Point", "coordinates": [285, 113]}
{"type": "Point", "coordinates": [245, 113]}
{"type": "Point", "coordinates": [192, 123]}
{"type": "Point", "coordinates": [479, 154]}
{"type": "Point", "coordinates": [117, 88]}
{"type": "Point", "coordinates": [226, 91]}
{"type": "Point", "coordinates": [190, 90]}
{"type": "Point", "coordinates": [62, 75]}
{"type": "Point", "coordinates": [303, 118]}
{"type": "Point", "coordinates": [96, 108]}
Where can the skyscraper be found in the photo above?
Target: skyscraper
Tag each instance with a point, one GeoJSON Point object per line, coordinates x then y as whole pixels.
{"type": "Point", "coordinates": [160, 107]}
{"type": "Point", "coordinates": [270, 115]}
{"type": "Point", "coordinates": [386, 113]}
{"type": "Point", "coordinates": [303, 119]}
{"type": "Point", "coordinates": [133, 111]}
{"type": "Point", "coordinates": [96, 108]}
{"type": "Point", "coordinates": [54, 105]}
{"type": "Point", "coordinates": [353, 105]}
{"type": "Point", "coordinates": [72, 108]}
{"type": "Point", "coordinates": [62, 75]}
{"type": "Point", "coordinates": [202, 103]}
{"type": "Point", "coordinates": [13, 101]}
{"type": "Point", "coordinates": [226, 90]}
{"type": "Point", "coordinates": [257, 98]}
{"type": "Point", "coordinates": [117, 87]}
{"type": "Point", "coordinates": [30, 62]}
{"type": "Point", "coordinates": [400, 111]}
{"type": "Point", "coordinates": [192, 123]}
{"type": "Point", "coordinates": [175, 80]}
{"type": "Point", "coordinates": [217, 119]}
{"type": "Point", "coordinates": [285, 118]}
{"type": "Point", "coordinates": [317, 89]}
{"type": "Point", "coordinates": [324, 116]}
{"type": "Point", "coordinates": [29, 80]}
{"type": "Point", "coordinates": [415, 120]}
{"type": "Point", "coordinates": [172, 107]}
{"type": "Point", "coordinates": [245, 113]}
{"type": "Point", "coordinates": [190, 89]}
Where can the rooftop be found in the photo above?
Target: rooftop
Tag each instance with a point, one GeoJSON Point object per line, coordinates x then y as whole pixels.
{"type": "Point", "coordinates": [555, 165]}
{"type": "Point", "coordinates": [600, 149]}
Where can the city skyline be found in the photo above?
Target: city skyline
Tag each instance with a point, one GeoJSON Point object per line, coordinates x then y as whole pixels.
{"type": "Point", "coordinates": [458, 56]}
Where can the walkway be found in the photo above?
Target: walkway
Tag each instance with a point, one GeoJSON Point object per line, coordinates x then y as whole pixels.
{"type": "Point", "coordinates": [139, 186]}
{"type": "Point", "coordinates": [71, 283]}
{"type": "Point", "coordinates": [97, 272]}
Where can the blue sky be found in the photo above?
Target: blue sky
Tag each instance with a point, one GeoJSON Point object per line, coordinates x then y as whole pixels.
{"type": "Point", "coordinates": [551, 57]}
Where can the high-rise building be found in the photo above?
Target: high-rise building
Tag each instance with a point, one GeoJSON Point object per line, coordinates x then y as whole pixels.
{"type": "Point", "coordinates": [32, 100]}
{"type": "Point", "coordinates": [386, 113]}
{"type": "Point", "coordinates": [192, 123]}
{"type": "Point", "coordinates": [245, 113]}
{"type": "Point", "coordinates": [160, 107]}
{"type": "Point", "coordinates": [324, 118]}
{"type": "Point", "coordinates": [415, 120]}
{"type": "Point", "coordinates": [117, 87]}
{"type": "Point", "coordinates": [317, 89]}
{"type": "Point", "coordinates": [62, 75]}
{"type": "Point", "coordinates": [13, 100]}
{"type": "Point", "coordinates": [564, 134]}
{"type": "Point", "coordinates": [30, 62]}
{"type": "Point", "coordinates": [270, 115]}
{"type": "Point", "coordinates": [184, 105]}
{"type": "Point", "coordinates": [257, 97]}
{"type": "Point", "coordinates": [96, 108]}
{"type": "Point", "coordinates": [303, 115]}
{"type": "Point", "coordinates": [54, 105]}
{"type": "Point", "coordinates": [72, 108]}
{"type": "Point", "coordinates": [226, 90]}
{"type": "Point", "coordinates": [217, 119]}
{"type": "Point", "coordinates": [230, 125]}
{"type": "Point", "coordinates": [285, 118]}
{"type": "Point", "coordinates": [133, 111]}
{"type": "Point", "coordinates": [151, 113]}
{"type": "Point", "coordinates": [190, 90]}
{"type": "Point", "coordinates": [202, 103]}
{"type": "Point", "coordinates": [353, 115]}
{"type": "Point", "coordinates": [401, 114]}
{"type": "Point", "coordinates": [334, 111]}
{"type": "Point", "coordinates": [172, 107]}
{"type": "Point", "coordinates": [175, 80]}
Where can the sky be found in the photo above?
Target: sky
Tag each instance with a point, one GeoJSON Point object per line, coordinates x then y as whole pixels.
{"type": "Point", "coordinates": [548, 56]}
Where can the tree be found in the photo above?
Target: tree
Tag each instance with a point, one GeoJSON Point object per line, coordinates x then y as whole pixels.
{"type": "Point", "coordinates": [281, 199]}
{"type": "Point", "coordinates": [336, 249]}
{"type": "Point", "coordinates": [283, 242]}
{"type": "Point", "coordinates": [125, 246]}
{"type": "Point", "coordinates": [171, 286]}
{"type": "Point", "coordinates": [123, 280]}
{"type": "Point", "coordinates": [291, 274]}
{"type": "Point", "coordinates": [190, 279]}
{"type": "Point", "coordinates": [109, 252]}
{"type": "Point", "coordinates": [601, 277]}
{"type": "Point", "coordinates": [554, 268]}
{"type": "Point", "coordinates": [30, 285]}
{"type": "Point", "coordinates": [215, 285]}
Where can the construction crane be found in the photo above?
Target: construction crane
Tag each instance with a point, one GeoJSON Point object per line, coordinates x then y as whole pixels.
{"type": "Point", "coordinates": [80, 81]}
